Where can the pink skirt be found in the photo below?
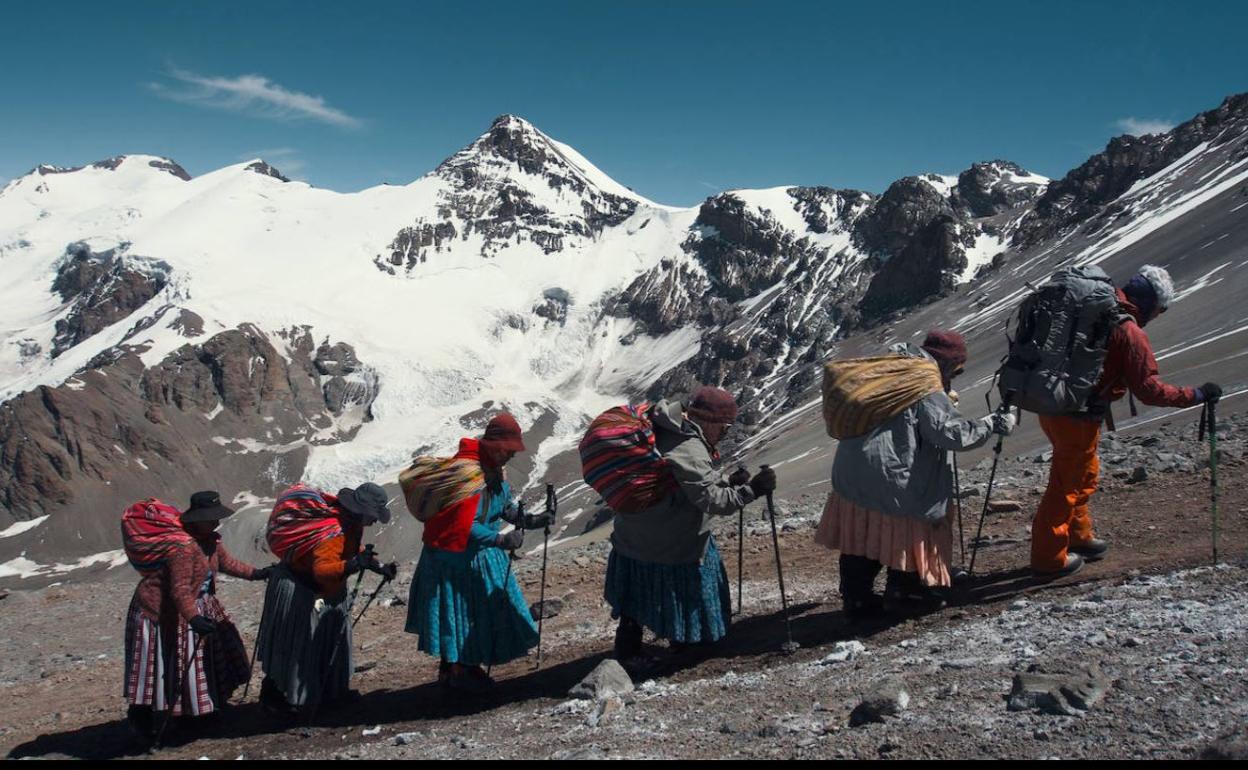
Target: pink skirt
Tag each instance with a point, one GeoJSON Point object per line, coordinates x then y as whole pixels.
{"type": "Point", "coordinates": [904, 544]}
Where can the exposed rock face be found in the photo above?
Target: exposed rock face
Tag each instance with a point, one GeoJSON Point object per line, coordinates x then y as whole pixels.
{"type": "Point", "coordinates": [925, 268]}
{"type": "Point", "coordinates": [264, 169]}
{"type": "Point", "coordinates": [164, 164]}
{"type": "Point", "coordinates": [1083, 192]}
{"type": "Point", "coordinates": [988, 189]}
{"type": "Point", "coordinates": [232, 406]}
{"type": "Point", "coordinates": [908, 206]}
{"type": "Point", "coordinates": [104, 288]}
{"type": "Point", "coordinates": [490, 195]}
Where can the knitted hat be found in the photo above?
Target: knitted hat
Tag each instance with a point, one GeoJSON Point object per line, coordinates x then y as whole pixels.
{"type": "Point", "coordinates": [947, 347]}
{"type": "Point", "coordinates": [710, 404]}
{"type": "Point", "coordinates": [1151, 288]}
{"type": "Point", "coordinates": [503, 433]}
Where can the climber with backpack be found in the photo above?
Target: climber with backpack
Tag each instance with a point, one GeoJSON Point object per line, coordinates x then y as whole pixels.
{"type": "Point", "coordinates": [655, 466]}
{"type": "Point", "coordinates": [892, 481]}
{"type": "Point", "coordinates": [1079, 346]}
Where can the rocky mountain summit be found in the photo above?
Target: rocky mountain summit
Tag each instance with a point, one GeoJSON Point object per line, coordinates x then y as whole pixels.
{"type": "Point", "coordinates": [154, 320]}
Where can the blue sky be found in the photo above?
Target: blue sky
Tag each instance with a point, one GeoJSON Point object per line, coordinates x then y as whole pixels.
{"type": "Point", "coordinates": [674, 99]}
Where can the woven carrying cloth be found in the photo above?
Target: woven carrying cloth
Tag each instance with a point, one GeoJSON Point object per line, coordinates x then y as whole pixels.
{"type": "Point", "coordinates": [150, 530]}
{"type": "Point", "coordinates": [433, 484]}
{"type": "Point", "coordinates": [620, 461]}
{"type": "Point", "coordinates": [302, 519]}
{"type": "Point", "coordinates": [861, 394]}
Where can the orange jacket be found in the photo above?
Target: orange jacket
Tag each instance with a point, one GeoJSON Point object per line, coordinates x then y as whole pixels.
{"type": "Point", "coordinates": [326, 564]}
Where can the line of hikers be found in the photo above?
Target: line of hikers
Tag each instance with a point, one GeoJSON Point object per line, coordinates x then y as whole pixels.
{"type": "Point", "coordinates": [656, 467]}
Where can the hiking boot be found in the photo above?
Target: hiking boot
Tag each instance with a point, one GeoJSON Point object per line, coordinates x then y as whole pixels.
{"type": "Point", "coordinates": [1091, 550]}
{"type": "Point", "coordinates": [273, 701]}
{"type": "Point", "coordinates": [627, 639]}
{"type": "Point", "coordinates": [905, 592]}
{"type": "Point", "coordinates": [1074, 563]}
{"type": "Point", "coordinates": [860, 608]}
{"type": "Point", "coordinates": [462, 679]}
{"type": "Point", "coordinates": [141, 723]}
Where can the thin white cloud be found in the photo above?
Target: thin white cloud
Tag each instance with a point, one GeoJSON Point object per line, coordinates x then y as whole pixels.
{"type": "Point", "coordinates": [251, 94]}
{"type": "Point", "coordinates": [1143, 126]}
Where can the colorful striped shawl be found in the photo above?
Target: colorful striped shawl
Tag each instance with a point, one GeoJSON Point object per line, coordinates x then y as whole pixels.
{"type": "Point", "coordinates": [150, 531]}
{"type": "Point", "coordinates": [302, 519]}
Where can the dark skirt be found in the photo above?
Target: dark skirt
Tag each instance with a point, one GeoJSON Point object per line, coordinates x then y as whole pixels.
{"type": "Point", "coordinates": [297, 644]}
{"type": "Point", "coordinates": [686, 603]}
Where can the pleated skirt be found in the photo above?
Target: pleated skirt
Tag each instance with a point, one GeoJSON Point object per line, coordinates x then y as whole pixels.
{"type": "Point", "coordinates": [306, 652]}
{"type": "Point", "coordinates": [688, 603]}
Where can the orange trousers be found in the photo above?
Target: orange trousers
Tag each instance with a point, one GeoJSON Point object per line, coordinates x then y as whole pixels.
{"type": "Point", "coordinates": [1063, 518]}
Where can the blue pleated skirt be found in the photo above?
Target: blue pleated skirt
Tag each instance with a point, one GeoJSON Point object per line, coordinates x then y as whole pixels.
{"type": "Point", "coordinates": [687, 603]}
{"type": "Point", "coordinates": [465, 608]}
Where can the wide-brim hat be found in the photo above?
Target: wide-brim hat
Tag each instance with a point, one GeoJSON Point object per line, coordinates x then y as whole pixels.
{"type": "Point", "coordinates": [205, 506]}
{"type": "Point", "coordinates": [368, 501]}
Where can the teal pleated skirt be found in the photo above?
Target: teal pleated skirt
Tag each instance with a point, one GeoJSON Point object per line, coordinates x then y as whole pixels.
{"type": "Point", "coordinates": [466, 608]}
{"type": "Point", "coordinates": [688, 603]}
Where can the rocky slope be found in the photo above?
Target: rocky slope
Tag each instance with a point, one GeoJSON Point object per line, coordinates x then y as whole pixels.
{"type": "Point", "coordinates": [517, 275]}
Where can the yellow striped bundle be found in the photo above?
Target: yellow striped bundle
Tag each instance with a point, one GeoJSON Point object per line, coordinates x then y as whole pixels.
{"type": "Point", "coordinates": [861, 394]}
{"type": "Point", "coordinates": [433, 484]}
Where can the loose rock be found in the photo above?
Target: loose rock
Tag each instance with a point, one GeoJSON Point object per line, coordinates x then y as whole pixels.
{"type": "Point", "coordinates": [609, 678]}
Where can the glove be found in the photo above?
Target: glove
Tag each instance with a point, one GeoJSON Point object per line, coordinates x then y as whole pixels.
{"type": "Point", "coordinates": [739, 478]}
{"type": "Point", "coordinates": [763, 482]}
{"type": "Point", "coordinates": [537, 521]}
{"type": "Point", "coordinates": [362, 561]}
{"type": "Point", "coordinates": [202, 625]}
{"type": "Point", "coordinates": [510, 541]}
{"type": "Point", "coordinates": [513, 513]}
{"type": "Point", "coordinates": [1208, 393]}
{"type": "Point", "coordinates": [1001, 423]}
{"type": "Point", "coordinates": [390, 571]}
{"type": "Point", "coordinates": [263, 573]}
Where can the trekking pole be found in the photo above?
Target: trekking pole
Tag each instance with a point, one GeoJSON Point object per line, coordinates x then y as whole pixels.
{"type": "Point", "coordinates": [1208, 421]}
{"type": "Point", "coordinates": [371, 596]}
{"type": "Point", "coordinates": [333, 656]}
{"type": "Point", "coordinates": [957, 496]}
{"type": "Point", "coordinates": [992, 478]}
{"type": "Point", "coordinates": [255, 649]}
{"type": "Point", "coordinates": [552, 507]}
{"type": "Point", "coordinates": [740, 550]}
{"type": "Point", "coordinates": [177, 690]}
{"type": "Point", "coordinates": [740, 555]}
{"type": "Point", "coordinates": [789, 646]}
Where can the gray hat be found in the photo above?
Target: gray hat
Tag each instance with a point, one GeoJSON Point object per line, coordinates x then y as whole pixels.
{"type": "Point", "coordinates": [368, 501]}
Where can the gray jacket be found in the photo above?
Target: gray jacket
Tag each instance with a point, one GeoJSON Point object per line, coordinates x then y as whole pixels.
{"type": "Point", "coordinates": [902, 468]}
{"type": "Point", "coordinates": [677, 530]}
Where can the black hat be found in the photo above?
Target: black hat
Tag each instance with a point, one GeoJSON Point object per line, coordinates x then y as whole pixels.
{"type": "Point", "coordinates": [206, 506]}
{"type": "Point", "coordinates": [367, 501]}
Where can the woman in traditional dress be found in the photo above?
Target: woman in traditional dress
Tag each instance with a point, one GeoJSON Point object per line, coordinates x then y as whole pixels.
{"type": "Point", "coordinates": [465, 606]}
{"type": "Point", "coordinates": [183, 653]}
{"type": "Point", "coordinates": [664, 572]}
{"type": "Point", "coordinates": [305, 632]}
{"type": "Point", "coordinates": [892, 486]}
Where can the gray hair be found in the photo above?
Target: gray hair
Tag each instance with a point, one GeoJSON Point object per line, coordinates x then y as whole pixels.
{"type": "Point", "coordinates": [1161, 283]}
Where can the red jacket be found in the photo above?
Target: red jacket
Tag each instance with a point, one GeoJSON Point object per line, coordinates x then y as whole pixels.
{"type": "Point", "coordinates": [1131, 365]}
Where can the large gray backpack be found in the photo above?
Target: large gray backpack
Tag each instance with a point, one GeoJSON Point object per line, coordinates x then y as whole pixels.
{"type": "Point", "coordinates": [1058, 350]}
